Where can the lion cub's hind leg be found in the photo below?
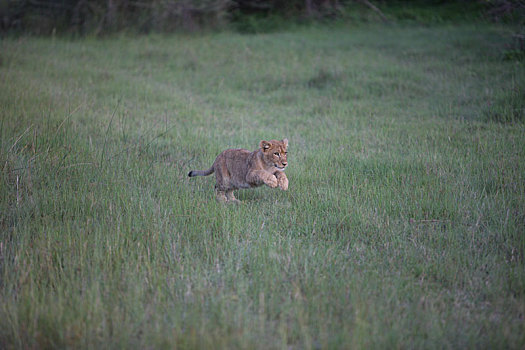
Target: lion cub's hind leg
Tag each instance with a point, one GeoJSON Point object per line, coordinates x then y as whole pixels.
{"type": "Point", "coordinates": [221, 196]}
{"type": "Point", "coordinates": [231, 198]}
{"type": "Point", "coordinates": [226, 197]}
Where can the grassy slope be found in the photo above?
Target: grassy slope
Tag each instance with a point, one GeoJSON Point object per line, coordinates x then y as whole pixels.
{"type": "Point", "coordinates": [403, 225]}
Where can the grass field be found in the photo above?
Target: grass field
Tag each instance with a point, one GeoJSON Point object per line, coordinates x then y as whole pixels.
{"type": "Point", "coordinates": [403, 227]}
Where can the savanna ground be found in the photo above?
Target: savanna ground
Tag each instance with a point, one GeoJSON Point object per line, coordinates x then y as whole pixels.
{"type": "Point", "coordinates": [403, 226]}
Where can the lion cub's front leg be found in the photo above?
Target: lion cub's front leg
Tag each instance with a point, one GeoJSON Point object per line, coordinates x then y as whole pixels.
{"type": "Point", "coordinates": [282, 180]}
{"type": "Point", "coordinates": [260, 177]}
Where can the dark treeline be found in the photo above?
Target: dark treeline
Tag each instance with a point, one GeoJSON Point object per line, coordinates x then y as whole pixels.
{"type": "Point", "coordinates": [107, 16]}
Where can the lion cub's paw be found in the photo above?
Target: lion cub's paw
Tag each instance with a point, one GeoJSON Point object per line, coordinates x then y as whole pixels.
{"type": "Point", "coordinates": [271, 181]}
{"type": "Point", "coordinates": [283, 183]}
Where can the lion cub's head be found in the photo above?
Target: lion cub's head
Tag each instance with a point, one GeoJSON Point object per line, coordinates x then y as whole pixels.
{"type": "Point", "coordinates": [274, 153]}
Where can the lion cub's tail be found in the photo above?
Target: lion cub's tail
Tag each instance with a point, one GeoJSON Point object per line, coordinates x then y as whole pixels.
{"type": "Point", "coordinates": [201, 172]}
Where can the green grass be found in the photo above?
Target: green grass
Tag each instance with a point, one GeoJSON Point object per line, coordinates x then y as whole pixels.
{"type": "Point", "coordinates": [404, 224]}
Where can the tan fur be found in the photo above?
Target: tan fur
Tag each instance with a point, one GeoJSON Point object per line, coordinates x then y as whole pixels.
{"type": "Point", "coordinates": [240, 168]}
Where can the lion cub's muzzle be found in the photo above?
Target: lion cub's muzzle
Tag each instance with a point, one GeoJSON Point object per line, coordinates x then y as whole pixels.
{"type": "Point", "coordinates": [281, 168]}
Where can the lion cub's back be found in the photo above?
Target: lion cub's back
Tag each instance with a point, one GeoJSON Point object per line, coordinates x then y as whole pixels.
{"type": "Point", "coordinates": [233, 163]}
{"type": "Point", "coordinates": [233, 158]}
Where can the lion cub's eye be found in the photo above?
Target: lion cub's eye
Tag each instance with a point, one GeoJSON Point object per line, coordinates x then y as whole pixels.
{"type": "Point", "coordinates": [277, 154]}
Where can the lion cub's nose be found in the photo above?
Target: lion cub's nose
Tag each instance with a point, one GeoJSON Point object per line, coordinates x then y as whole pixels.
{"type": "Point", "coordinates": [284, 163]}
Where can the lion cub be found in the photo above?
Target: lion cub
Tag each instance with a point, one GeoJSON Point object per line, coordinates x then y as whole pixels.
{"type": "Point", "coordinates": [240, 168]}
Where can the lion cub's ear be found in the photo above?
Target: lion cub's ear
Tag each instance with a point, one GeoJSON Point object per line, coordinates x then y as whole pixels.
{"type": "Point", "coordinates": [264, 145]}
{"type": "Point", "coordinates": [285, 141]}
